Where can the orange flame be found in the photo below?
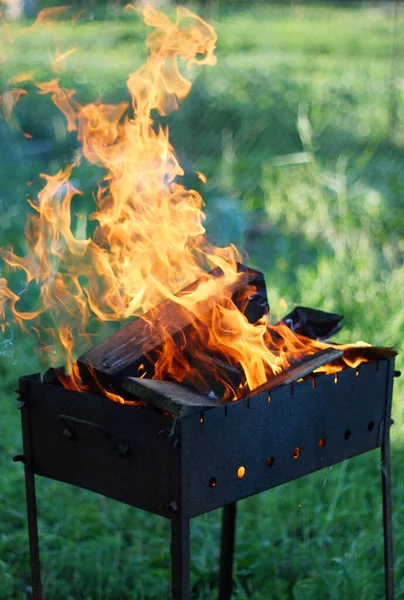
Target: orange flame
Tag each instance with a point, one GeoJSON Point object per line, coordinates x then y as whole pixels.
{"type": "Point", "coordinates": [57, 62]}
{"type": "Point", "coordinates": [62, 99]}
{"type": "Point", "coordinates": [21, 78]}
{"type": "Point", "coordinates": [148, 241]}
{"type": "Point", "coordinates": [47, 15]}
{"type": "Point", "coordinates": [74, 382]}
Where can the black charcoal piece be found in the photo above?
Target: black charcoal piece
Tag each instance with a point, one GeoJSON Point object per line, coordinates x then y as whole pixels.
{"type": "Point", "coordinates": [313, 323]}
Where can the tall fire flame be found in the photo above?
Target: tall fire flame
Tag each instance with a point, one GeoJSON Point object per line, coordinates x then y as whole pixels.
{"type": "Point", "coordinates": [148, 241]}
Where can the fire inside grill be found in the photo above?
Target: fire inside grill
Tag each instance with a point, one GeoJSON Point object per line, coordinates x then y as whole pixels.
{"type": "Point", "coordinates": [199, 400]}
{"type": "Point", "coordinates": [198, 316]}
{"type": "Point", "coordinates": [180, 454]}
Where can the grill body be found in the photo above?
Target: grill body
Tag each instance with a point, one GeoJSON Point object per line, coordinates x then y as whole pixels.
{"type": "Point", "coordinates": [182, 467]}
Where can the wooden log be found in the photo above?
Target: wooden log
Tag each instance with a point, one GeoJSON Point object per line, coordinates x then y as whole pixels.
{"type": "Point", "coordinates": [180, 400]}
{"type": "Point", "coordinates": [177, 399]}
{"type": "Point", "coordinates": [211, 373]}
{"type": "Point", "coordinates": [361, 354]}
{"type": "Point", "coordinates": [297, 370]}
{"type": "Point", "coordinates": [335, 355]}
{"type": "Point", "coordinates": [127, 352]}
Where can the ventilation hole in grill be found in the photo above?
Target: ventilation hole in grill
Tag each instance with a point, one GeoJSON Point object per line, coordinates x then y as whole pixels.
{"type": "Point", "coordinates": [241, 472]}
{"type": "Point", "coordinates": [357, 371]}
{"type": "Point", "coordinates": [313, 383]}
{"type": "Point", "coordinates": [347, 434]}
{"type": "Point", "coordinates": [270, 461]}
{"type": "Point", "coordinates": [201, 420]}
{"type": "Point", "coordinates": [370, 425]}
{"type": "Point", "coordinates": [269, 397]}
{"type": "Point", "coordinates": [321, 443]}
{"type": "Point", "coordinates": [296, 453]}
{"type": "Point", "coordinates": [335, 377]}
{"type": "Point", "coordinates": [212, 482]}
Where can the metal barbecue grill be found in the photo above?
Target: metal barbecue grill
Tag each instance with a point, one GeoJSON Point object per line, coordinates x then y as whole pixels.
{"type": "Point", "coordinates": [194, 458]}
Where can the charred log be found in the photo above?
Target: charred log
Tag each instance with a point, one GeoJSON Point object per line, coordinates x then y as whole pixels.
{"type": "Point", "coordinates": [298, 370]}
{"type": "Point", "coordinates": [134, 349]}
{"type": "Point", "coordinates": [180, 400]}
{"type": "Point", "coordinates": [173, 398]}
{"type": "Point", "coordinates": [312, 323]}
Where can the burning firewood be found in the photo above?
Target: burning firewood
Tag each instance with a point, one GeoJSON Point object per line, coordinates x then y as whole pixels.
{"type": "Point", "coordinates": [174, 398]}
{"type": "Point", "coordinates": [180, 400]}
{"type": "Point", "coordinates": [299, 370]}
{"type": "Point", "coordinates": [132, 350]}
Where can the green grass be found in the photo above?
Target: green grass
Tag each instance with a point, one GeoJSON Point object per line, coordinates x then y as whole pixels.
{"type": "Point", "coordinates": [292, 129]}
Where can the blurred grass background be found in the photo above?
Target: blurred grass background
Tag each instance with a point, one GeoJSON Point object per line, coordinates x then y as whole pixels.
{"type": "Point", "coordinates": [300, 131]}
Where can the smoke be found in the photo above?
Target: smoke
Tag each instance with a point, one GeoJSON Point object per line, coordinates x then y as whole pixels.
{"type": "Point", "coordinates": [7, 344]}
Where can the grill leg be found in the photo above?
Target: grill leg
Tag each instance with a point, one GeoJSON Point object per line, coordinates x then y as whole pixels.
{"type": "Point", "coordinates": [227, 551]}
{"type": "Point", "coordinates": [387, 518]}
{"type": "Point", "coordinates": [33, 533]}
{"type": "Point", "coordinates": [180, 558]}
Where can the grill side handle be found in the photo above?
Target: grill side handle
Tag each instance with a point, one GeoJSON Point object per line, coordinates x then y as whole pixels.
{"type": "Point", "coordinates": [70, 432]}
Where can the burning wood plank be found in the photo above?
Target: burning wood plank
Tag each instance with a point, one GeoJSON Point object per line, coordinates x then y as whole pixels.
{"type": "Point", "coordinates": [127, 352]}
{"type": "Point", "coordinates": [298, 370]}
{"type": "Point", "coordinates": [177, 399]}
{"type": "Point", "coordinates": [340, 357]}
{"type": "Point", "coordinates": [357, 355]}
{"type": "Point", "coordinates": [180, 400]}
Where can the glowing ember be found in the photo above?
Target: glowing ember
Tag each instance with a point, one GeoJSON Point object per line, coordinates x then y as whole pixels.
{"type": "Point", "coordinates": [148, 241]}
